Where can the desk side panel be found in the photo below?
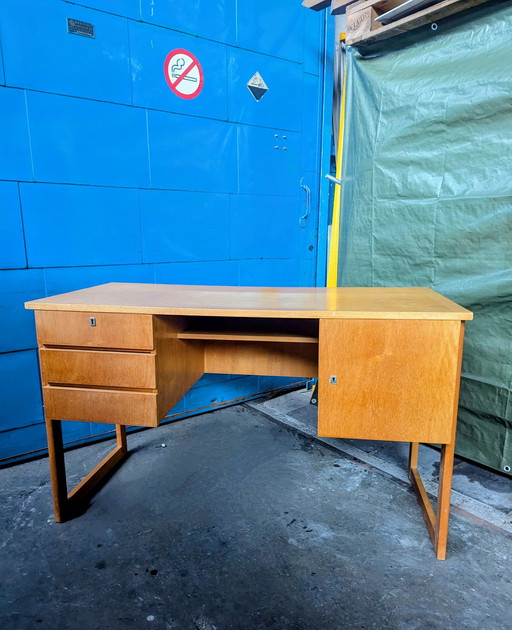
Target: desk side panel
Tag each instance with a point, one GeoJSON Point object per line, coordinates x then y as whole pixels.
{"type": "Point", "coordinates": [396, 379]}
{"type": "Point", "coordinates": [179, 363]}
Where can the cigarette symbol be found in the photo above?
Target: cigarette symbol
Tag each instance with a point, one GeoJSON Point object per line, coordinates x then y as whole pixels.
{"type": "Point", "coordinates": [176, 71]}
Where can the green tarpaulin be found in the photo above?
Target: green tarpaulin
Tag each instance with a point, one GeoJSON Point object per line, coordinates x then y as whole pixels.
{"type": "Point", "coordinates": [427, 196]}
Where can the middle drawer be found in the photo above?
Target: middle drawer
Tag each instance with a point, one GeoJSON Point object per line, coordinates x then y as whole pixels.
{"type": "Point", "coordinates": [98, 368]}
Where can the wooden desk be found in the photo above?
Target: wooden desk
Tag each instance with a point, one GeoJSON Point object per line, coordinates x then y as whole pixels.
{"type": "Point", "coordinates": [387, 361]}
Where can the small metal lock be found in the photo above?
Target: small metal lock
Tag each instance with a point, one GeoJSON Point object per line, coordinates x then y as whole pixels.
{"type": "Point", "coordinates": [333, 380]}
{"type": "Point", "coordinates": [92, 321]}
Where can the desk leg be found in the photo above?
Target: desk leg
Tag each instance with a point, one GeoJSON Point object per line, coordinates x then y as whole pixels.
{"type": "Point", "coordinates": [66, 505]}
{"type": "Point", "coordinates": [443, 499]}
{"type": "Point", "coordinates": [57, 469]}
{"type": "Point", "coordinates": [437, 524]}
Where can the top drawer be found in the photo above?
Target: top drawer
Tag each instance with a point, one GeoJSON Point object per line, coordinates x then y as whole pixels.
{"type": "Point", "coordinates": [105, 330]}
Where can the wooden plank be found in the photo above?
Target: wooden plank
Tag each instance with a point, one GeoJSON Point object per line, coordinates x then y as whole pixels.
{"type": "Point", "coordinates": [252, 328]}
{"type": "Point", "coordinates": [239, 336]}
{"type": "Point", "coordinates": [380, 6]}
{"type": "Point", "coordinates": [426, 16]}
{"type": "Point", "coordinates": [339, 7]}
{"type": "Point", "coordinates": [110, 330]}
{"type": "Point", "coordinates": [108, 406]}
{"type": "Point", "coordinates": [396, 380]}
{"type": "Point", "coordinates": [98, 368]}
{"type": "Point", "coordinates": [316, 5]}
{"type": "Point", "coordinates": [270, 359]}
{"type": "Point", "coordinates": [281, 302]}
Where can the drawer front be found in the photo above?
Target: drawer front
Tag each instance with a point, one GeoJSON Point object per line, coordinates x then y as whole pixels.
{"type": "Point", "coordinates": [104, 330]}
{"type": "Point", "coordinates": [101, 405]}
{"type": "Point", "coordinates": [100, 369]}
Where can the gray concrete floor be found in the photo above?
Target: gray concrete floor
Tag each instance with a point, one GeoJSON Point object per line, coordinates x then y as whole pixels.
{"type": "Point", "coordinates": [477, 493]}
{"type": "Point", "coordinates": [241, 523]}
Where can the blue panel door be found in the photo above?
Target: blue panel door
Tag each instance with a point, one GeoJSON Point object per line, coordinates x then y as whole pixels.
{"type": "Point", "coordinates": [108, 175]}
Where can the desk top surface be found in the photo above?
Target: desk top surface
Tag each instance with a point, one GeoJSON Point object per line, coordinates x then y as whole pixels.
{"type": "Point", "coordinates": [300, 302]}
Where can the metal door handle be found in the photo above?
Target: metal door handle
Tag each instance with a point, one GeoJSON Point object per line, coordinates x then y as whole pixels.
{"type": "Point", "coordinates": [331, 178]}
{"type": "Point", "coordinates": [304, 218]}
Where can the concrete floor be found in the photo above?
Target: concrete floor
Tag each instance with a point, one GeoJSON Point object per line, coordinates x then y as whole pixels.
{"type": "Point", "coordinates": [477, 492]}
{"type": "Point", "coordinates": [241, 523]}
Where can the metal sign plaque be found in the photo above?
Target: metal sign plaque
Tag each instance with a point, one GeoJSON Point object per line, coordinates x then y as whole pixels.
{"type": "Point", "coordinates": [257, 87]}
{"type": "Point", "coordinates": [77, 27]}
{"type": "Point", "coordinates": [183, 73]}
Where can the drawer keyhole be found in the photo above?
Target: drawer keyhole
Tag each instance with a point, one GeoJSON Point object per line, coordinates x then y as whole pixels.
{"type": "Point", "coordinates": [333, 380]}
{"type": "Point", "coordinates": [92, 321]}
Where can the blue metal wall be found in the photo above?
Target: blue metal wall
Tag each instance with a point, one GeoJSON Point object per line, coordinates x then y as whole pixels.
{"type": "Point", "coordinates": [106, 175]}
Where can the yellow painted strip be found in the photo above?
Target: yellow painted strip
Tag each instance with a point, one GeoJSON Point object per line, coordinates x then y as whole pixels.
{"type": "Point", "coordinates": [332, 267]}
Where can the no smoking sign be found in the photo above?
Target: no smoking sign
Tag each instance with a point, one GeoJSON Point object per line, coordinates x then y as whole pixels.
{"type": "Point", "coordinates": [183, 73]}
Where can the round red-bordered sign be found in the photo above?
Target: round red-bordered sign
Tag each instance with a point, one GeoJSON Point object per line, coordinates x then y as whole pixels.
{"type": "Point", "coordinates": [183, 73]}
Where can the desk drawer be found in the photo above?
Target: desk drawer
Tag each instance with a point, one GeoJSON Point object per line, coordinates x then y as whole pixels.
{"type": "Point", "coordinates": [110, 330]}
{"type": "Point", "coordinates": [97, 368]}
{"type": "Point", "coordinates": [101, 405]}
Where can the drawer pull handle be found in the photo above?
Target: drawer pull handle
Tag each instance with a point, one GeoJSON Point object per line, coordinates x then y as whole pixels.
{"type": "Point", "coordinates": [92, 321]}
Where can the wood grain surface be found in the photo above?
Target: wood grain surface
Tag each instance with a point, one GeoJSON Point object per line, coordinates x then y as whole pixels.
{"type": "Point", "coordinates": [284, 302]}
{"type": "Point", "coordinates": [396, 380]}
{"type": "Point", "coordinates": [112, 330]}
{"type": "Point", "coordinates": [136, 408]}
{"type": "Point", "coordinates": [263, 358]}
{"type": "Point", "coordinates": [179, 364]}
{"type": "Point", "coordinates": [98, 368]}
{"type": "Point", "coordinates": [430, 14]}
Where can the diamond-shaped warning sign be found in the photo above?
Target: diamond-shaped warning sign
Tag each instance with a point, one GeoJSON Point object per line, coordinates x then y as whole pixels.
{"type": "Point", "coordinates": [257, 87]}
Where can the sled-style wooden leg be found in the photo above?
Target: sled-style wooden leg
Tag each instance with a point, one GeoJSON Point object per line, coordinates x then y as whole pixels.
{"type": "Point", "coordinates": [437, 524]}
{"type": "Point", "coordinates": [66, 505]}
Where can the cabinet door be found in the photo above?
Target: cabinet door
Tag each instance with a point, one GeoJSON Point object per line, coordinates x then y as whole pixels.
{"type": "Point", "coordinates": [389, 379]}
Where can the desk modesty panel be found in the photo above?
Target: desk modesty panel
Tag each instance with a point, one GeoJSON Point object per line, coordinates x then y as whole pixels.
{"type": "Point", "coordinates": [387, 359]}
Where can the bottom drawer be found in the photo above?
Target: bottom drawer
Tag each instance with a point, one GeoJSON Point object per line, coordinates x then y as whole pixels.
{"type": "Point", "coordinates": [101, 405]}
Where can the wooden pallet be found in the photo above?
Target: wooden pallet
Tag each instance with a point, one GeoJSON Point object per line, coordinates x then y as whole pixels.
{"type": "Point", "coordinates": [363, 30]}
{"type": "Point", "coordinates": [337, 6]}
